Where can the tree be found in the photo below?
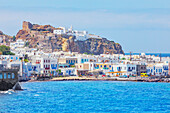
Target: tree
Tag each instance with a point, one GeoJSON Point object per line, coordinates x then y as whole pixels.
{"type": "Point", "coordinates": [14, 38]}
{"type": "Point", "coordinates": [123, 59]}
{"type": "Point", "coordinates": [5, 50]}
{"type": "Point", "coordinates": [58, 71]}
{"type": "Point", "coordinates": [26, 60]}
{"type": "Point", "coordinates": [26, 56]}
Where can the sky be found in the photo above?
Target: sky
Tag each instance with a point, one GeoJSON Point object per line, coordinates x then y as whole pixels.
{"type": "Point", "coordinates": [138, 25]}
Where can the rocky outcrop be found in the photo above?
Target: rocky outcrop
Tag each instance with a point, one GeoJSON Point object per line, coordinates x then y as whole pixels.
{"type": "Point", "coordinates": [5, 39]}
{"type": "Point", "coordinates": [17, 86]}
{"type": "Point", "coordinates": [42, 37]}
{"type": "Point", "coordinates": [4, 86]}
{"type": "Point", "coordinates": [22, 34]}
{"type": "Point", "coordinates": [99, 46]}
{"type": "Point", "coordinates": [26, 26]}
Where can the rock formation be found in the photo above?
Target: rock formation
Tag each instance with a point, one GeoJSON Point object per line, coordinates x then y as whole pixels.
{"type": "Point", "coordinates": [42, 37]}
{"type": "Point", "coordinates": [26, 26]}
{"type": "Point", "coordinates": [99, 46]}
{"type": "Point", "coordinates": [5, 39]}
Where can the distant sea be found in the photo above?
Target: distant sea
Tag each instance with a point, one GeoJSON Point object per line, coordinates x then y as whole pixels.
{"type": "Point", "coordinates": [155, 54]}
{"type": "Point", "coordinates": [87, 97]}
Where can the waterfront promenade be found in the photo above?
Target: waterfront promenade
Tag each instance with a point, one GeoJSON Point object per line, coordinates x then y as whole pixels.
{"type": "Point", "coordinates": [135, 79]}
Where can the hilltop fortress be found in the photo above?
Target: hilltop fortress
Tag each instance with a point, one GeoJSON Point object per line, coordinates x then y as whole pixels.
{"type": "Point", "coordinates": [50, 39]}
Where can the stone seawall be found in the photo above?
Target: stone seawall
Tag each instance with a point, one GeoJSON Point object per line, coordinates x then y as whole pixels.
{"type": "Point", "coordinates": [6, 85]}
{"type": "Point", "coordinates": [8, 79]}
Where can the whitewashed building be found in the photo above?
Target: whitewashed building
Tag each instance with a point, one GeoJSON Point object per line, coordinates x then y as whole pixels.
{"type": "Point", "coordinates": [59, 31]}
{"type": "Point", "coordinates": [18, 44]}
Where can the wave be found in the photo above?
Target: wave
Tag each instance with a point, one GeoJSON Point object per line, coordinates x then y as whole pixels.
{"type": "Point", "coordinates": [10, 91]}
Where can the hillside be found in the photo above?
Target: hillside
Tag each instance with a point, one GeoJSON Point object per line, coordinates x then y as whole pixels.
{"type": "Point", "coordinates": [42, 37]}
{"type": "Point", "coordinates": [5, 39]}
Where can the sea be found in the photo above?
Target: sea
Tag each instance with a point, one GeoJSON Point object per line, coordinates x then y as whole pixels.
{"type": "Point", "coordinates": [87, 97]}
{"type": "Point", "coordinates": [155, 54]}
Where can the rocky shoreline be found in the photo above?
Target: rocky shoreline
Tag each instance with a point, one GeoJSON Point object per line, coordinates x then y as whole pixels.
{"type": "Point", "coordinates": [4, 86]}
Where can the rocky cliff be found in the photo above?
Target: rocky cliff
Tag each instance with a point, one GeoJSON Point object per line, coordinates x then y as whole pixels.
{"type": "Point", "coordinates": [99, 46]}
{"type": "Point", "coordinates": [42, 37]}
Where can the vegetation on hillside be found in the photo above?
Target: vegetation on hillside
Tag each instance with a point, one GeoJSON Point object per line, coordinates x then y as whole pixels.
{"type": "Point", "coordinates": [5, 50]}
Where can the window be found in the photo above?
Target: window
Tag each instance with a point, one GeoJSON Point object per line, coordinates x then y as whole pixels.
{"type": "Point", "coordinates": [0, 75]}
{"type": "Point", "coordinates": [13, 76]}
{"type": "Point", "coordinates": [9, 75]}
{"type": "Point", "coordinates": [4, 75]}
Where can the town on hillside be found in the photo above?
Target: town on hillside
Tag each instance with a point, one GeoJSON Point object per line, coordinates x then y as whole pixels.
{"type": "Point", "coordinates": [43, 51]}
{"type": "Point", "coordinates": [53, 39]}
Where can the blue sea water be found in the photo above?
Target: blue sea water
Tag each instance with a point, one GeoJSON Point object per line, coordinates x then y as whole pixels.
{"type": "Point", "coordinates": [88, 96]}
{"type": "Point", "coordinates": [155, 54]}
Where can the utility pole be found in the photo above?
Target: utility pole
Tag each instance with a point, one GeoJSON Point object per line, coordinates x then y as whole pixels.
{"type": "Point", "coordinates": [130, 55]}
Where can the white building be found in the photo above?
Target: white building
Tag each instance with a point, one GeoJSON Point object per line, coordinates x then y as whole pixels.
{"type": "Point", "coordinates": [158, 69]}
{"type": "Point", "coordinates": [123, 69]}
{"type": "Point", "coordinates": [81, 35]}
{"type": "Point", "coordinates": [68, 71]}
{"type": "Point", "coordinates": [59, 31]}
{"type": "Point", "coordinates": [18, 44]}
{"type": "Point", "coordinates": [48, 65]}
